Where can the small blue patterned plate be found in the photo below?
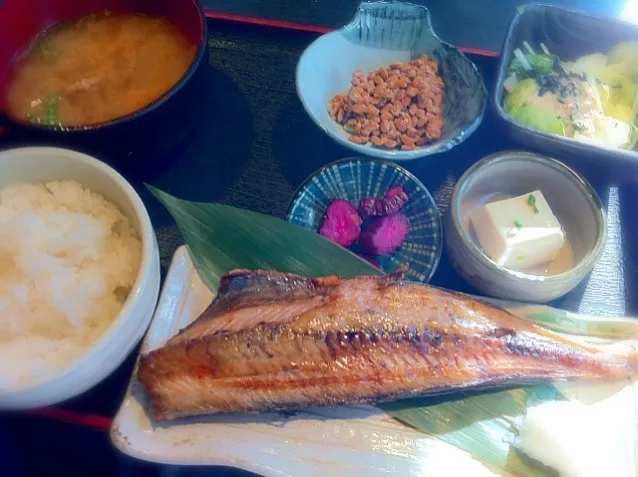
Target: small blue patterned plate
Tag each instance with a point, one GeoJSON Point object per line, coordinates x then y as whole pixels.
{"type": "Point", "coordinates": [355, 179]}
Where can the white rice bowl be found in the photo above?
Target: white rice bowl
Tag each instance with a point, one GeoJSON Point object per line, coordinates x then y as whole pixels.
{"type": "Point", "coordinates": [90, 347]}
{"type": "Point", "coordinates": [69, 259]}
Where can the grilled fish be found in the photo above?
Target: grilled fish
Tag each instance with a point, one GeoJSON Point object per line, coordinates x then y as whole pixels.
{"type": "Point", "coordinates": [273, 341]}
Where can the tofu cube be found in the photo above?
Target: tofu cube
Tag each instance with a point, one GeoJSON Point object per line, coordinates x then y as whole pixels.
{"type": "Point", "coordinates": [518, 233]}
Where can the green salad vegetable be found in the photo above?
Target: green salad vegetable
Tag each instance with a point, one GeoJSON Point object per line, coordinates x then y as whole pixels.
{"type": "Point", "coordinates": [520, 94]}
{"type": "Point", "coordinates": [542, 63]}
{"type": "Point", "coordinates": [592, 99]}
{"type": "Point", "coordinates": [539, 118]}
{"type": "Point", "coordinates": [520, 105]}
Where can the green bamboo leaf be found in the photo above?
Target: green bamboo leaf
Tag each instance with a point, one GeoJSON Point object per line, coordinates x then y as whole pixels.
{"type": "Point", "coordinates": [479, 423]}
{"type": "Point", "coordinates": [221, 238]}
{"type": "Point", "coordinates": [600, 327]}
{"type": "Point", "coordinates": [568, 323]}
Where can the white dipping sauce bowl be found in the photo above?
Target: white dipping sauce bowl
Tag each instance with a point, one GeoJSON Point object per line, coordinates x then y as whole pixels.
{"type": "Point", "coordinates": [513, 173]}
{"type": "Point", "coordinates": [101, 358]}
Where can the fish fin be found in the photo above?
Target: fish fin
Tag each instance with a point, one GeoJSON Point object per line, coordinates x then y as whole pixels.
{"type": "Point", "coordinates": [393, 278]}
{"type": "Point", "coordinates": [253, 287]}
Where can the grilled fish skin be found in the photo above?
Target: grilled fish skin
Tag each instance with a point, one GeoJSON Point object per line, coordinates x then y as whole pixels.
{"type": "Point", "coordinates": [273, 341]}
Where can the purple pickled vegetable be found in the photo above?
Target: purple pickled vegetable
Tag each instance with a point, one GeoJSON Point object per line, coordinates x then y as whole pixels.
{"type": "Point", "coordinates": [342, 223]}
{"type": "Point", "coordinates": [385, 235]}
{"type": "Point", "coordinates": [397, 192]}
{"type": "Point", "coordinates": [368, 206]}
{"type": "Point", "coordinates": [392, 202]}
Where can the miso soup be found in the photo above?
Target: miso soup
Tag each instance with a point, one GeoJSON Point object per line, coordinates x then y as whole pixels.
{"type": "Point", "coordinates": [98, 68]}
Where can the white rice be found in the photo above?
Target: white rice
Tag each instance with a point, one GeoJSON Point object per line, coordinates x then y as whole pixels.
{"type": "Point", "coordinates": [68, 259]}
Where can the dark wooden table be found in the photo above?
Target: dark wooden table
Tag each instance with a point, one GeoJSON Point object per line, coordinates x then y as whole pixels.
{"type": "Point", "coordinates": [479, 24]}
{"type": "Point", "coordinates": [254, 146]}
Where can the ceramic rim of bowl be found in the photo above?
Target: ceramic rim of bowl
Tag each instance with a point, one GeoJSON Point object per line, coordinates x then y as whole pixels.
{"type": "Point", "coordinates": [147, 237]}
{"type": "Point", "coordinates": [586, 189]}
{"type": "Point", "coordinates": [402, 170]}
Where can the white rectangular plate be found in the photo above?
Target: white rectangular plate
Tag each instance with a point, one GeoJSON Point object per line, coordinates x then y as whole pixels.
{"type": "Point", "coordinates": [352, 441]}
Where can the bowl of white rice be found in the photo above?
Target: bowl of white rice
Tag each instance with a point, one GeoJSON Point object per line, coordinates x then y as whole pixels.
{"type": "Point", "coordinates": [79, 274]}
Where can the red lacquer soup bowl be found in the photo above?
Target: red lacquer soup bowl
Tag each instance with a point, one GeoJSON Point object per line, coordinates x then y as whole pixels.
{"type": "Point", "coordinates": [137, 139]}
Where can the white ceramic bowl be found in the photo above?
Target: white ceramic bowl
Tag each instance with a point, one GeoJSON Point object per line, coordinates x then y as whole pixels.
{"type": "Point", "coordinates": [39, 164]}
{"type": "Point", "coordinates": [382, 33]}
{"type": "Point", "coordinates": [512, 173]}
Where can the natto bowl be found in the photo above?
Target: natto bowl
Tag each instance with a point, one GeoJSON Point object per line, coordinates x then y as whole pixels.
{"type": "Point", "coordinates": [354, 179]}
{"type": "Point", "coordinates": [512, 173]}
{"type": "Point", "coordinates": [379, 34]}
{"type": "Point", "coordinates": [569, 34]}
{"type": "Point", "coordinates": [136, 141]}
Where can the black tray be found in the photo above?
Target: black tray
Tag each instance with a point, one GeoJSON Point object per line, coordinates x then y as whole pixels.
{"type": "Point", "coordinates": [253, 147]}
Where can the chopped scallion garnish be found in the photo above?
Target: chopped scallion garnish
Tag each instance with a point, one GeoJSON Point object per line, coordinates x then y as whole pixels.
{"type": "Point", "coordinates": [48, 49]}
{"type": "Point", "coordinates": [531, 200]}
{"type": "Point", "coordinates": [51, 103]}
{"type": "Point", "coordinates": [518, 224]}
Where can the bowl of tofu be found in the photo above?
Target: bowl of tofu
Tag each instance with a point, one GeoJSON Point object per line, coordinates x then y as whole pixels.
{"type": "Point", "coordinates": [524, 227]}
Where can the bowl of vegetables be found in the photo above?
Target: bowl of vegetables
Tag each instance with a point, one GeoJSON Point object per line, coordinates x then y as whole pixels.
{"type": "Point", "coordinates": [376, 209]}
{"type": "Point", "coordinates": [567, 84]}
